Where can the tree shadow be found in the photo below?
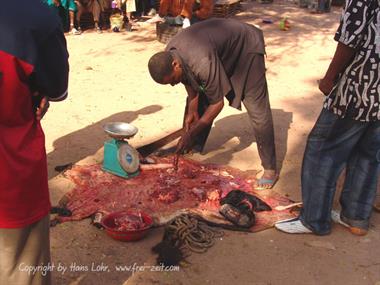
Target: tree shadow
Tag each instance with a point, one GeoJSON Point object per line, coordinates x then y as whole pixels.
{"type": "Point", "coordinates": [86, 141]}
{"type": "Point", "coordinates": [239, 126]}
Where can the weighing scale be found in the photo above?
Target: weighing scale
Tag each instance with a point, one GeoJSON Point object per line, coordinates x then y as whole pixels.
{"type": "Point", "coordinates": [120, 158]}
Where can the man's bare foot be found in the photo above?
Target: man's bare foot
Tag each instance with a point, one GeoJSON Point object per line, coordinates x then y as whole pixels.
{"type": "Point", "coordinates": [267, 181]}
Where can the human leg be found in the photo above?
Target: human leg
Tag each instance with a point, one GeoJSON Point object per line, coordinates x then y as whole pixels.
{"type": "Point", "coordinates": [22, 248]}
{"type": "Point", "coordinates": [95, 9]}
{"type": "Point", "coordinates": [162, 12]}
{"type": "Point", "coordinates": [73, 30]}
{"type": "Point", "coordinates": [80, 11]}
{"type": "Point", "coordinates": [70, 8]}
{"type": "Point", "coordinates": [130, 8]}
{"type": "Point", "coordinates": [328, 149]}
{"type": "Point", "coordinates": [256, 101]}
{"type": "Point", "coordinates": [359, 191]}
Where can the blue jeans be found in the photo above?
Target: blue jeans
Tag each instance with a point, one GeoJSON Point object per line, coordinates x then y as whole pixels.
{"type": "Point", "coordinates": [335, 144]}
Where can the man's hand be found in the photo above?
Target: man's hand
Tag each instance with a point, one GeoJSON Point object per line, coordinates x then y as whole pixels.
{"type": "Point", "coordinates": [191, 119]}
{"type": "Point", "coordinates": [57, 3]}
{"type": "Point", "coordinates": [184, 143]}
{"type": "Point", "coordinates": [42, 106]}
{"type": "Point", "coordinates": [326, 85]}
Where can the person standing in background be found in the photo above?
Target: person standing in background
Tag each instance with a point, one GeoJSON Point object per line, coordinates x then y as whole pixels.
{"type": "Point", "coordinates": [66, 9]}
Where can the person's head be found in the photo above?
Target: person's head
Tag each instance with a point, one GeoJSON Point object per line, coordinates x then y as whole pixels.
{"type": "Point", "coordinates": [165, 69]}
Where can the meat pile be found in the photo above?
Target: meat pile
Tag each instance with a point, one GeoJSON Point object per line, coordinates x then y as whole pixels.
{"type": "Point", "coordinates": [160, 191]}
{"type": "Point", "coordinates": [129, 222]}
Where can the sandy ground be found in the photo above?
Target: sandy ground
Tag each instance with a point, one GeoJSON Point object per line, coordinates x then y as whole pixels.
{"type": "Point", "coordinates": [109, 81]}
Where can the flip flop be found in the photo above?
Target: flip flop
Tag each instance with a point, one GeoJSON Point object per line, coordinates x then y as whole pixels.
{"type": "Point", "coordinates": [263, 181]}
{"type": "Point", "coordinates": [335, 217]}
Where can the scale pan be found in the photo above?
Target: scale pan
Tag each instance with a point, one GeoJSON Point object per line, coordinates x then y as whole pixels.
{"type": "Point", "coordinates": [120, 130]}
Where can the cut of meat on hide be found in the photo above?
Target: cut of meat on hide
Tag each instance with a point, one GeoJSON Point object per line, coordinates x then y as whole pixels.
{"type": "Point", "coordinates": [238, 198]}
{"type": "Point", "coordinates": [238, 207]}
{"type": "Point", "coordinates": [164, 194]}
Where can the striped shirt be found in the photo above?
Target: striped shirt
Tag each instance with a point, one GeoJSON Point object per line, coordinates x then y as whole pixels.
{"type": "Point", "coordinates": [357, 93]}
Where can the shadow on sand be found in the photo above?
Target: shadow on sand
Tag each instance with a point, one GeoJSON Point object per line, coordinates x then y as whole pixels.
{"type": "Point", "coordinates": [84, 142]}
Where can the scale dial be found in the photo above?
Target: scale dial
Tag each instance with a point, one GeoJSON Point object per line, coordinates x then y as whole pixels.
{"type": "Point", "coordinates": [128, 158]}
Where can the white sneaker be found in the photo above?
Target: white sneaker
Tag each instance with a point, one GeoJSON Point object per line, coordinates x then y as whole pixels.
{"type": "Point", "coordinates": [75, 31]}
{"type": "Point", "coordinates": [293, 226]}
{"type": "Point", "coordinates": [155, 19]}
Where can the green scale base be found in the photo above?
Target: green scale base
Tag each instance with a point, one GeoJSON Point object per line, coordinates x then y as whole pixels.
{"type": "Point", "coordinates": [111, 163]}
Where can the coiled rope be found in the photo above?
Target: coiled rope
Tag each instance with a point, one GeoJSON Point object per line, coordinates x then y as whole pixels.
{"type": "Point", "coordinates": [189, 233]}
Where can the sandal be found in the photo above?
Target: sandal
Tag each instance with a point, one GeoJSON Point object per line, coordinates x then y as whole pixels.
{"type": "Point", "coordinates": [335, 217]}
{"type": "Point", "coordinates": [259, 185]}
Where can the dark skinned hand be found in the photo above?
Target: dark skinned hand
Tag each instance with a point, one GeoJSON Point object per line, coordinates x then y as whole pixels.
{"type": "Point", "coordinates": [190, 120]}
{"type": "Point", "coordinates": [42, 105]}
{"type": "Point", "coordinates": [184, 143]}
{"type": "Point", "coordinates": [187, 140]}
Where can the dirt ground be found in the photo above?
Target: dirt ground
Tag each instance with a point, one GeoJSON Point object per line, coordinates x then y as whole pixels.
{"type": "Point", "coordinates": [109, 81]}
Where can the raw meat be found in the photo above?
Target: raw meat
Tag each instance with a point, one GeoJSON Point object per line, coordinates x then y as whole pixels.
{"type": "Point", "coordinates": [129, 223]}
{"type": "Point", "coordinates": [164, 193]}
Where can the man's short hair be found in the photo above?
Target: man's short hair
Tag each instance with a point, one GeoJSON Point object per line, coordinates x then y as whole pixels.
{"type": "Point", "coordinates": [160, 65]}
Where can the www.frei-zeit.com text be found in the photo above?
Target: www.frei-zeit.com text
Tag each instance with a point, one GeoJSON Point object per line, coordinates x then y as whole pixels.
{"type": "Point", "coordinates": [93, 267]}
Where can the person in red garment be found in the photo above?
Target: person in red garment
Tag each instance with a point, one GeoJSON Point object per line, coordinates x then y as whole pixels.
{"type": "Point", "coordinates": [33, 71]}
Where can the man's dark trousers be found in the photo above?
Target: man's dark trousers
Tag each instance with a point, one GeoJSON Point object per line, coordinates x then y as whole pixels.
{"type": "Point", "coordinates": [256, 101]}
{"type": "Point", "coordinates": [334, 144]}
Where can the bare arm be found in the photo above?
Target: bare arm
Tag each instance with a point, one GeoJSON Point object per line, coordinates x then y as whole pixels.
{"type": "Point", "coordinates": [193, 123]}
{"type": "Point", "coordinates": [342, 57]}
{"type": "Point", "coordinates": [208, 117]}
{"type": "Point", "coordinates": [191, 112]}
